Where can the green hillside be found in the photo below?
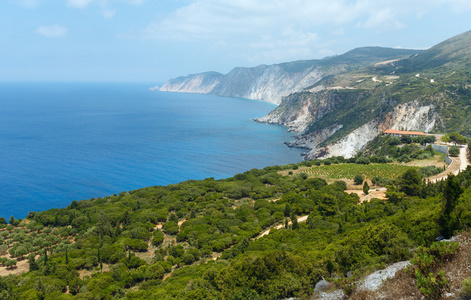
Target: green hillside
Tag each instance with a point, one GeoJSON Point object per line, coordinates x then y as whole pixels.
{"type": "Point", "coordinates": [199, 239]}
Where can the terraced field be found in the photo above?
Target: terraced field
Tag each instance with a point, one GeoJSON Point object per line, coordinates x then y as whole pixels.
{"type": "Point", "coordinates": [348, 171]}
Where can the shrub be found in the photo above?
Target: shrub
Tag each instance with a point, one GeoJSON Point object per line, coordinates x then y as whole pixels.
{"type": "Point", "coordinates": [358, 179]}
{"type": "Point", "coordinates": [431, 286]}
{"type": "Point", "coordinates": [171, 228]}
{"type": "Point", "coordinates": [158, 238]}
{"type": "Point", "coordinates": [362, 161]}
{"type": "Point", "coordinates": [466, 288]}
{"type": "Point", "coordinates": [404, 158]}
{"type": "Point", "coordinates": [454, 151]}
{"type": "Point", "coordinates": [429, 171]}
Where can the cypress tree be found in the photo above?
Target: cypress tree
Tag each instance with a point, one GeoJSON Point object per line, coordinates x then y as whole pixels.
{"type": "Point", "coordinates": [66, 256]}
{"type": "Point", "coordinates": [45, 256]}
{"type": "Point", "coordinates": [33, 266]}
{"type": "Point", "coordinates": [366, 188]}
{"type": "Point", "coordinates": [294, 221]}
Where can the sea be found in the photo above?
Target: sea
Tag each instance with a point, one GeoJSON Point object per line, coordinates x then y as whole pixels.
{"type": "Point", "coordinates": [71, 141]}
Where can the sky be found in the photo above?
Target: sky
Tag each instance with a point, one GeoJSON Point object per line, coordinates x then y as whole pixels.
{"type": "Point", "coordinates": [155, 40]}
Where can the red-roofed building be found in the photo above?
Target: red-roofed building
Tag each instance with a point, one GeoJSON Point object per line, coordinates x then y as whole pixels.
{"type": "Point", "coordinates": [399, 133]}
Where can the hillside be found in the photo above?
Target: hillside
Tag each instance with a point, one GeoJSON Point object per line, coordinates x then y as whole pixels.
{"type": "Point", "coordinates": [429, 91]}
{"type": "Point", "coordinates": [198, 239]}
{"type": "Point", "coordinates": [272, 82]}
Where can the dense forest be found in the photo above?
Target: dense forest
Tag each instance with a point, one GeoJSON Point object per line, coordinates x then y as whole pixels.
{"type": "Point", "coordinates": [202, 239]}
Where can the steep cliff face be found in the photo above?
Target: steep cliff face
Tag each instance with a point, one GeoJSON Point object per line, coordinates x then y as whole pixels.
{"type": "Point", "coordinates": [266, 83]}
{"type": "Point", "coordinates": [409, 116]}
{"type": "Point", "coordinates": [298, 110]}
{"type": "Point", "coordinates": [203, 83]}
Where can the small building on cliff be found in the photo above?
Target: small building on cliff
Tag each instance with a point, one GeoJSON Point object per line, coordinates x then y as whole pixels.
{"type": "Point", "coordinates": [399, 133]}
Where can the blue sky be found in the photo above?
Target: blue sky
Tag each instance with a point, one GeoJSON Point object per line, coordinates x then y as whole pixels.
{"type": "Point", "coordinates": [154, 40]}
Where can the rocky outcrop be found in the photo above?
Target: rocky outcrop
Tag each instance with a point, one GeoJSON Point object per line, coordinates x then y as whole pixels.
{"type": "Point", "coordinates": [409, 116]}
{"type": "Point", "coordinates": [298, 110]}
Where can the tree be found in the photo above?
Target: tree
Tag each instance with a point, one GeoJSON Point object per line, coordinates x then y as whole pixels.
{"type": "Point", "coordinates": [411, 182]}
{"type": "Point", "coordinates": [328, 205]}
{"type": "Point", "coordinates": [406, 139]}
{"type": "Point", "coordinates": [10, 263]}
{"type": "Point", "coordinates": [158, 237]}
{"type": "Point", "coordinates": [45, 256]}
{"type": "Point", "coordinates": [330, 267]}
{"type": "Point", "coordinates": [454, 151]}
{"type": "Point", "coordinates": [366, 188]}
{"type": "Point", "coordinates": [451, 194]}
{"type": "Point", "coordinates": [33, 265]}
{"type": "Point", "coordinates": [445, 138]}
{"type": "Point", "coordinates": [287, 210]}
{"type": "Point", "coordinates": [294, 222]}
{"type": "Point", "coordinates": [358, 179]}
{"type": "Point", "coordinates": [457, 138]}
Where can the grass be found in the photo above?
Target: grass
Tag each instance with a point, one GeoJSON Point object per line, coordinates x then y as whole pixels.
{"type": "Point", "coordinates": [348, 171]}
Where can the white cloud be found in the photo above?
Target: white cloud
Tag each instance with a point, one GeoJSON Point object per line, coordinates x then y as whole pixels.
{"type": "Point", "coordinates": [288, 29]}
{"type": "Point", "coordinates": [79, 3]}
{"type": "Point", "coordinates": [55, 31]}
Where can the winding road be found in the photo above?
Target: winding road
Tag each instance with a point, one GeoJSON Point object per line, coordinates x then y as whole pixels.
{"type": "Point", "coordinates": [460, 163]}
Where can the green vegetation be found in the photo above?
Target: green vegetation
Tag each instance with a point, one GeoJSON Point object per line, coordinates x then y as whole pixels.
{"type": "Point", "coordinates": [350, 171]}
{"type": "Point", "coordinates": [423, 267]}
{"type": "Point", "coordinates": [111, 247]}
{"type": "Point", "coordinates": [400, 149]}
{"type": "Point", "coordinates": [207, 246]}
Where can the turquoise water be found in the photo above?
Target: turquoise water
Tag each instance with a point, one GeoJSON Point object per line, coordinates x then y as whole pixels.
{"type": "Point", "coordinates": [70, 141]}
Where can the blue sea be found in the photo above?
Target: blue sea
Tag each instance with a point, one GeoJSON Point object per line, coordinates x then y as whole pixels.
{"type": "Point", "coordinates": [70, 141]}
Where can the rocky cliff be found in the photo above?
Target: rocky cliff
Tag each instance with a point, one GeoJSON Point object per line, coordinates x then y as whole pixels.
{"type": "Point", "coordinates": [339, 114]}
{"type": "Point", "coordinates": [273, 82]}
{"type": "Point", "coordinates": [337, 104]}
{"type": "Point", "coordinates": [409, 116]}
{"type": "Point", "coordinates": [266, 83]}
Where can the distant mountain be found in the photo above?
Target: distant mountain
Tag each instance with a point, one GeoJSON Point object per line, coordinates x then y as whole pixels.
{"type": "Point", "coordinates": [272, 82]}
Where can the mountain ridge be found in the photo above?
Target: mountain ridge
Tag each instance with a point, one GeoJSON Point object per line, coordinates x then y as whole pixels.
{"type": "Point", "coordinates": [272, 82]}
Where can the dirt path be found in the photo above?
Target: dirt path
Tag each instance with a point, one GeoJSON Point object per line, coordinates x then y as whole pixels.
{"type": "Point", "coordinates": [267, 231]}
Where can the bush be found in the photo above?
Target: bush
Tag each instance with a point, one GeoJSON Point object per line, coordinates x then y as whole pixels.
{"type": "Point", "coordinates": [466, 288]}
{"type": "Point", "coordinates": [358, 179]}
{"type": "Point", "coordinates": [431, 286]}
{"type": "Point", "coordinates": [171, 228]}
{"type": "Point", "coordinates": [454, 151]}
{"type": "Point", "coordinates": [429, 171]}
{"type": "Point", "coordinates": [404, 158]}
{"type": "Point", "coordinates": [362, 161]}
{"type": "Point", "coordinates": [158, 238]}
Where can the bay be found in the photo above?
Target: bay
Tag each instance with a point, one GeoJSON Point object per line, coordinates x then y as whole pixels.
{"type": "Point", "coordinates": [70, 141]}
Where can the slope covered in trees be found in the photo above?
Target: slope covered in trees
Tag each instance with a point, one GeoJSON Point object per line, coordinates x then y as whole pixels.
{"type": "Point", "coordinates": [195, 239]}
